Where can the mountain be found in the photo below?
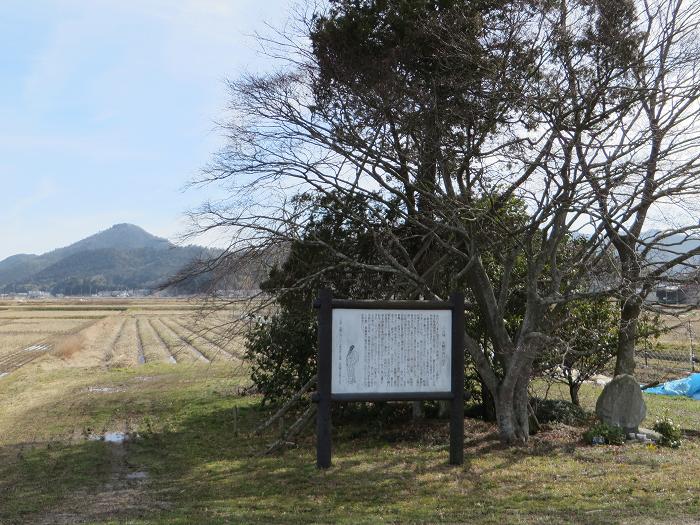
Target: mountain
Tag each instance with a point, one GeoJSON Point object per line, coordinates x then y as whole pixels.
{"type": "Point", "coordinates": [121, 257]}
{"type": "Point", "coordinates": [670, 247]}
{"type": "Point", "coordinates": [124, 236]}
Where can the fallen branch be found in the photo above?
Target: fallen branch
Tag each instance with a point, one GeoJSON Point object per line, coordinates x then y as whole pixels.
{"type": "Point", "coordinates": [285, 408]}
{"type": "Point", "coordinates": [293, 431]}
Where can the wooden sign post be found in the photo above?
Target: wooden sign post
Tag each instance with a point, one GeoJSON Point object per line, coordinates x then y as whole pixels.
{"type": "Point", "coordinates": [390, 351]}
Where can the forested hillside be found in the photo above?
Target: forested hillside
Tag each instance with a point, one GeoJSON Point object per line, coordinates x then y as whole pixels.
{"type": "Point", "coordinates": [119, 258]}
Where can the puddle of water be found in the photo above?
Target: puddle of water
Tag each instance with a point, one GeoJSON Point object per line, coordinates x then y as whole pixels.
{"type": "Point", "coordinates": [141, 360]}
{"type": "Point", "coordinates": [3, 374]}
{"type": "Point", "coordinates": [115, 437]}
{"type": "Point", "coordinates": [137, 475]}
{"type": "Point", "coordinates": [110, 437]}
{"type": "Point", "coordinates": [171, 359]}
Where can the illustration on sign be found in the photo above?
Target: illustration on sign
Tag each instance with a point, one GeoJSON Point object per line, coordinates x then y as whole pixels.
{"type": "Point", "coordinates": [391, 351]}
{"type": "Point", "coordinates": [351, 362]}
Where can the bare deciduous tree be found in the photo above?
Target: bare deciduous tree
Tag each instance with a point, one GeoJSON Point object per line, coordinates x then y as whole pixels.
{"type": "Point", "coordinates": [441, 118]}
{"type": "Point", "coordinates": [643, 165]}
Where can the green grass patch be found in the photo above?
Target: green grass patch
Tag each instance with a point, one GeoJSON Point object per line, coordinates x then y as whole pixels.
{"type": "Point", "coordinates": [37, 478]}
{"type": "Point", "coordinates": [683, 410]}
{"type": "Point", "coordinates": [202, 461]}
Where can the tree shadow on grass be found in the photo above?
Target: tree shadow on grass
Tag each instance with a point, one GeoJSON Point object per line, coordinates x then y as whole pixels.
{"type": "Point", "coordinates": [204, 468]}
{"type": "Point", "coordinates": [210, 476]}
{"type": "Point", "coordinates": [36, 477]}
{"type": "Point", "coordinates": [397, 471]}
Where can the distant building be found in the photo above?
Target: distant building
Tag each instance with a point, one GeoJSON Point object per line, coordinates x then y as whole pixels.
{"type": "Point", "coordinates": [142, 292]}
{"type": "Point", "coordinates": [678, 294]}
{"type": "Point", "coordinates": [36, 294]}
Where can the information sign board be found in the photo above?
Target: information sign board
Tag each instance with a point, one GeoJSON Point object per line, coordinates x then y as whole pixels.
{"type": "Point", "coordinates": [390, 351]}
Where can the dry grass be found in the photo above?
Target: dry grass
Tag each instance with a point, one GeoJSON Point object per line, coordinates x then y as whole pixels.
{"type": "Point", "coordinates": [200, 455]}
{"type": "Point", "coordinates": [19, 314]}
{"type": "Point", "coordinates": [112, 333]}
{"type": "Point", "coordinates": [220, 329]}
{"type": "Point", "coordinates": [14, 342]}
{"type": "Point", "coordinates": [114, 337]}
{"type": "Point", "coordinates": [205, 346]}
{"type": "Point", "coordinates": [44, 326]}
{"type": "Point", "coordinates": [153, 348]}
{"type": "Point", "coordinates": [679, 328]}
{"type": "Point", "coordinates": [199, 472]}
{"type": "Point", "coordinates": [67, 347]}
{"type": "Point", "coordinates": [97, 342]}
{"type": "Point", "coordinates": [125, 351]}
{"type": "Point", "coordinates": [183, 351]}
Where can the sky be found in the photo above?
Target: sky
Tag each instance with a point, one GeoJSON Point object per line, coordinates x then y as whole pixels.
{"type": "Point", "coordinates": [109, 107]}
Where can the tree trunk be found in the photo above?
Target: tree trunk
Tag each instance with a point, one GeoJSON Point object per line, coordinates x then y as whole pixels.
{"type": "Point", "coordinates": [488, 408]}
{"type": "Point", "coordinates": [522, 402]}
{"type": "Point", "coordinates": [512, 414]}
{"type": "Point", "coordinates": [629, 317]}
{"type": "Point", "coordinates": [513, 427]}
{"type": "Point", "coordinates": [573, 392]}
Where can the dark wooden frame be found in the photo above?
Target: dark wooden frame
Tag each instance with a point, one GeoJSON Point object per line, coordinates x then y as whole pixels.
{"type": "Point", "coordinates": [325, 305]}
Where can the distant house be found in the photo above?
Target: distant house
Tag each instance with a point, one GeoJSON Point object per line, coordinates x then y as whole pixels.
{"type": "Point", "coordinates": [36, 294]}
{"type": "Point", "coordinates": [678, 294]}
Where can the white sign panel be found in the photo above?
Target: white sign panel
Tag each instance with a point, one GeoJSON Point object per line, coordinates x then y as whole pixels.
{"type": "Point", "coordinates": [391, 351]}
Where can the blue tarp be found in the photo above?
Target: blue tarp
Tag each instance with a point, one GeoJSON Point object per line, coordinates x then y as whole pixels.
{"type": "Point", "coordinates": [688, 386]}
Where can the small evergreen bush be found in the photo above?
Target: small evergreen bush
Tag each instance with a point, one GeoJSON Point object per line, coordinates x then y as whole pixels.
{"type": "Point", "coordinates": [558, 411]}
{"type": "Point", "coordinates": [612, 435]}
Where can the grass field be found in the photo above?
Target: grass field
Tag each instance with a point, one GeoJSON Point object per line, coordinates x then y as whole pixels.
{"type": "Point", "coordinates": [192, 456]}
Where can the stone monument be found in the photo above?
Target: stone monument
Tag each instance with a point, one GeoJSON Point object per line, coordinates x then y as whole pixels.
{"type": "Point", "coordinates": [621, 404]}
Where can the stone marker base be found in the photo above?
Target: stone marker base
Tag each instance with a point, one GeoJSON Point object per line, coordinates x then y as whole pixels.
{"type": "Point", "coordinates": [645, 435]}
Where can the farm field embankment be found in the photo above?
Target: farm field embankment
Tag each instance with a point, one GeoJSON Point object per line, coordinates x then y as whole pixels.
{"type": "Point", "coordinates": [191, 456]}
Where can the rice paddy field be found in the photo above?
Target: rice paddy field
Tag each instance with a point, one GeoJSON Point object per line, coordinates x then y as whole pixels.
{"type": "Point", "coordinates": [112, 334]}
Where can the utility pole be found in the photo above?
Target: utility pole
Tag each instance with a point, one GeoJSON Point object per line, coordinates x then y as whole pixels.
{"type": "Point", "coordinates": [692, 350]}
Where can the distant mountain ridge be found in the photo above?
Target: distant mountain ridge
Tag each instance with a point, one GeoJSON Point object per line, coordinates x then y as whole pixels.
{"type": "Point", "coordinates": [122, 257]}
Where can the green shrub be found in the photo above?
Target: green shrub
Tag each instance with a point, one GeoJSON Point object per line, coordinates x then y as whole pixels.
{"type": "Point", "coordinates": [558, 411]}
{"type": "Point", "coordinates": [612, 435]}
{"type": "Point", "coordinates": [282, 351]}
{"type": "Point", "coordinates": [670, 432]}
{"type": "Point", "coordinates": [282, 347]}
